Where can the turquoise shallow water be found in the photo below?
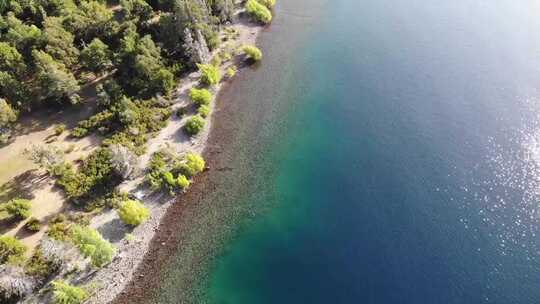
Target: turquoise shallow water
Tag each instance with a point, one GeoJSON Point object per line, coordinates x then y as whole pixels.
{"type": "Point", "coordinates": [394, 158]}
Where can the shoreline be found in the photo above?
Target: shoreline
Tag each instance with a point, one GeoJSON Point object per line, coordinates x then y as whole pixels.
{"type": "Point", "coordinates": [153, 241]}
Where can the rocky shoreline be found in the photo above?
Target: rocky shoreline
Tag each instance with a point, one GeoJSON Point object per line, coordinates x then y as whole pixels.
{"type": "Point", "coordinates": [140, 257]}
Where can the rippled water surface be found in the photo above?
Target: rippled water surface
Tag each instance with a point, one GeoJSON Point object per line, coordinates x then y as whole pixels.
{"type": "Point", "coordinates": [396, 159]}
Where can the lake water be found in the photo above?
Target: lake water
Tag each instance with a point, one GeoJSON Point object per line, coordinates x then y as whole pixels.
{"type": "Point", "coordinates": [395, 158]}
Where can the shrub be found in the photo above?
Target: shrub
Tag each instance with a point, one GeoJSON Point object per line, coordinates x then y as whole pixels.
{"type": "Point", "coordinates": [59, 231]}
{"type": "Point", "coordinates": [192, 164]}
{"type": "Point", "coordinates": [210, 75]}
{"type": "Point", "coordinates": [7, 114]}
{"type": "Point", "coordinates": [64, 293]}
{"type": "Point", "coordinates": [258, 11]}
{"type": "Point", "coordinates": [268, 3]}
{"type": "Point", "coordinates": [79, 132]}
{"type": "Point", "coordinates": [59, 129]}
{"type": "Point", "coordinates": [133, 213]}
{"type": "Point", "coordinates": [168, 177]}
{"type": "Point", "coordinates": [39, 265]}
{"type": "Point", "coordinates": [11, 249]}
{"type": "Point", "coordinates": [46, 156]}
{"type": "Point", "coordinates": [231, 72]}
{"type": "Point", "coordinates": [96, 171]}
{"type": "Point", "coordinates": [19, 208]}
{"type": "Point", "coordinates": [156, 167]}
{"type": "Point", "coordinates": [93, 245]}
{"type": "Point", "coordinates": [33, 224]}
{"type": "Point", "coordinates": [194, 125]}
{"type": "Point", "coordinates": [204, 110]}
{"type": "Point", "coordinates": [200, 96]}
{"type": "Point", "coordinates": [252, 52]}
{"type": "Point", "coordinates": [183, 182]}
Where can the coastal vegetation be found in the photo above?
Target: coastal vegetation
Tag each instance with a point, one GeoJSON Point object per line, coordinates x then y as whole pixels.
{"type": "Point", "coordinates": [19, 208]}
{"type": "Point", "coordinates": [11, 249]}
{"type": "Point", "coordinates": [200, 96]}
{"type": "Point", "coordinates": [64, 293]}
{"type": "Point", "coordinates": [252, 52]}
{"type": "Point", "coordinates": [92, 245]}
{"type": "Point", "coordinates": [100, 78]}
{"type": "Point", "coordinates": [194, 125]}
{"type": "Point", "coordinates": [210, 74]}
{"type": "Point", "coordinates": [133, 212]}
{"type": "Point", "coordinates": [259, 11]}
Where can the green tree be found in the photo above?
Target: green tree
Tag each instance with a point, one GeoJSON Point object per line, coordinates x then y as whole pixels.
{"type": "Point", "coordinates": [204, 111]}
{"type": "Point", "coordinates": [24, 37]}
{"type": "Point", "coordinates": [96, 56]}
{"type": "Point", "coordinates": [252, 52]}
{"type": "Point", "coordinates": [11, 60]}
{"type": "Point", "coordinates": [194, 125]}
{"type": "Point", "coordinates": [7, 114]}
{"type": "Point", "coordinates": [91, 19]}
{"type": "Point", "coordinates": [192, 164]}
{"type": "Point", "coordinates": [64, 293]}
{"type": "Point", "coordinates": [11, 249]}
{"type": "Point", "coordinates": [56, 82]}
{"type": "Point", "coordinates": [19, 208]}
{"type": "Point", "coordinates": [93, 245]}
{"type": "Point", "coordinates": [258, 11]}
{"type": "Point", "coordinates": [210, 75]}
{"type": "Point", "coordinates": [142, 69]}
{"type": "Point", "coordinates": [183, 182]}
{"type": "Point", "coordinates": [14, 90]}
{"type": "Point", "coordinates": [59, 42]}
{"type": "Point", "coordinates": [268, 3]}
{"type": "Point", "coordinates": [136, 9]}
{"type": "Point", "coordinates": [200, 96]}
{"type": "Point", "coordinates": [133, 212]}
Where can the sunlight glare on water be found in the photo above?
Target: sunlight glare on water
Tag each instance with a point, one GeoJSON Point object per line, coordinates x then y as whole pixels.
{"type": "Point", "coordinates": [509, 202]}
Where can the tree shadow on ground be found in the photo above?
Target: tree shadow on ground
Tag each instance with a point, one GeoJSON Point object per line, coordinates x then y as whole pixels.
{"type": "Point", "coordinates": [8, 223]}
{"type": "Point", "coordinates": [22, 185]}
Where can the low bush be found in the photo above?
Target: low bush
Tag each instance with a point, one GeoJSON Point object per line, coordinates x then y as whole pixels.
{"type": "Point", "coordinates": [64, 293]}
{"type": "Point", "coordinates": [200, 96]}
{"type": "Point", "coordinates": [210, 75]}
{"type": "Point", "coordinates": [231, 72]}
{"type": "Point", "coordinates": [59, 129]}
{"type": "Point", "coordinates": [93, 245]}
{"type": "Point", "coordinates": [192, 164]}
{"type": "Point", "coordinates": [33, 224]}
{"type": "Point", "coordinates": [194, 125]}
{"type": "Point", "coordinates": [11, 249]}
{"type": "Point", "coordinates": [157, 167]}
{"type": "Point", "coordinates": [204, 111]}
{"type": "Point", "coordinates": [258, 11]}
{"type": "Point", "coordinates": [252, 52]}
{"type": "Point", "coordinates": [59, 231]}
{"type": "Point", "coordinates": [96, 173]}
{"type": "Point", "coordinates": [133, 212]}
{"type": "Point", "coordinates": [39, 266]}
{"type": "Point", "coordinates": [19, 208]}
{"type": "Point", "coordinates": [183, 182]}
{"type": "Point", "coordinates": [268, 3]}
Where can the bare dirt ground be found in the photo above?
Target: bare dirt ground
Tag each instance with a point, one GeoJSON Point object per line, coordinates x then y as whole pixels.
{"type": "Point", "coordinates": [21, 178]}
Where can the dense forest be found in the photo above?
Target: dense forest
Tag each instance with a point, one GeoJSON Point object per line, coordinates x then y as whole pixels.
{"type": "Point", "coordinates": [50, 49]}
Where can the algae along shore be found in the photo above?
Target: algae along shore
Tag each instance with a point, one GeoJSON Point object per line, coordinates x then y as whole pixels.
{"type": "Point", "coordinates": [105, 111]}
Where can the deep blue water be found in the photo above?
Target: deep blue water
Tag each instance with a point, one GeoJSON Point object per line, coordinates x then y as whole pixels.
{"type": "Point", "coordinates": [401, 168]}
